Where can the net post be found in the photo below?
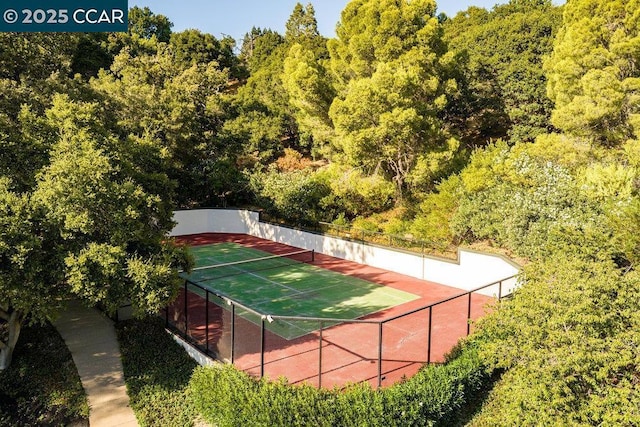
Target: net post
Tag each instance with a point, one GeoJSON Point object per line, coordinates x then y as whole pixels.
{"type": "Point", "coordinates": [499, 290]}
{"type": "Point", "coordinates": [320, 356]}
{"type": "Point", "coordinates": [313, 255]}
{"type": "Point", "coordinates": [262, 337]}
{"type": "Point", "coordinates": [429, 335]}
{"type": "Point", "coordinates": [380, 355]}
{"type": "Point", "coordinates": [469, 315]}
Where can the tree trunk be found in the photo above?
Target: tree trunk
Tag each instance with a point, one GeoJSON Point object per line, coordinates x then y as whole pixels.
{"type": "Point", "coordinates": [14, 323]}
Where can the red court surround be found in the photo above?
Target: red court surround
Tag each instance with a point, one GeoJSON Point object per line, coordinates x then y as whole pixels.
{"type": "Point", "coordinates": [349, 351]}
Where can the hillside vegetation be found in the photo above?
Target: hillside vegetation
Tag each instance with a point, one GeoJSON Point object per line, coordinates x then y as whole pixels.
{"type": "Point", "coordinates": [516, 127]}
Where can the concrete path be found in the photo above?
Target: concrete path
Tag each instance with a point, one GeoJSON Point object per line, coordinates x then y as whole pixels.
{"type": "Point", "coordinates": [91, 339]}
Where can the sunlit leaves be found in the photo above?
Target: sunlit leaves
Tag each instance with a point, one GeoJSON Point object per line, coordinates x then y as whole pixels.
{"type": "Point", "coordinates": [569, 340]}
{"type": "Point", "coordinates": [392, 77]}
{"type": "Point", "coordinates": [593, 71]}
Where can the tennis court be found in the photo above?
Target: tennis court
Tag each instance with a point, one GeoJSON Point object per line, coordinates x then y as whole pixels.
{"type": "Point", "coordinates": [287, 285]}
{"type": "Point", "coordinates": [396, 332]}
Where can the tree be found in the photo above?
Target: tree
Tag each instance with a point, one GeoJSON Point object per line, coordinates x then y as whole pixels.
{"type": "Point", "coordinates": [261, 111]}
{"type": "Point", "coordinates": [146, 31]}
{"type": "Point", "coordinates": [310, 92]}
{"type": "Point", "coordinates": [33, 67]}
{"type": "Point", "coordinates": [302, 23]}
{"type": "Point", "coordinates": [568, 341]}
{"type": "Point", "coordinates": [193, 47]}
{"type": "Point", "coordinates": [91, 55]}
{"type": "Point", "coordinates": [549, 210]}
{"type": "Point", "coordinates": [391, 72]}
{"type": "Point", "coordinates": [146, 24]}
{"type": "Point", "coordinates": [88, 229]}
{"type": "Point", "coordinates": [257, 46]}
{"type": "Point", "coordinates": [593, 75]}
{"type": "Point", "coordinates": [158, 102]}
{"type": "Point", "coordinates": [506, 48]}
{"type": "Point", "coordinates": [31, 278]}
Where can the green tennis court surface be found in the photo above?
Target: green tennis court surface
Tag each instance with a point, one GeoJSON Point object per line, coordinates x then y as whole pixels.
{"type": "Point", "coordinates": [288, 287]}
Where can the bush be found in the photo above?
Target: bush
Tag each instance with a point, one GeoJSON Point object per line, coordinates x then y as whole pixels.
{"type": "Point", "coordinates": [157, 371]}
{"type": "Point", "coordinates": [225, 396]}
{"type": "Point", "coordinates": [42, 386]}
{"type": "Point", "coordinates": [353, 193]}
{"type": "Point", "coordinates": [531, 205]}
{"type": "Point", "coordinates": [294, 195]}
{"type": "Point", "coordinates": [569, 343]}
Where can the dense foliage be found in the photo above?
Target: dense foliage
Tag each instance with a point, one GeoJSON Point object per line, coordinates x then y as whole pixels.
{"type": "Point", "coordinates": [514, 128]}
{"type": "Point", "coordinates": [157, 371]}
{"type": "Point", "coordinates": [42, 386]}
{"type": "Point", "coordinates": [227, 397]}
{"type": "Point", "coordinates": [572, 332]}
{"type": "Point", "coordinates": [507, 86]}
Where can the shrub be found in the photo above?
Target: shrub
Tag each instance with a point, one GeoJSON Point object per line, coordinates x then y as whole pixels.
{"type": "Point", "coordinates": [226, 397]}
{"type": "Point", "coordinates": [294, 195]}
{"type": "Point", "coordinates": [569, 342]}
{"type": "Point", "coordinates": [42, 386]}
{"type": "Point", "coordinates": [157, 371]}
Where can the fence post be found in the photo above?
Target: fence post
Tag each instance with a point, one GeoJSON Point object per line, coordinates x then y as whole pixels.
{"type": "Point", "coordinates": [233, 330]}
{"type": "Point", "coordinates": [206, 319]}
{"type": "Point", "coordinates": [469, 315]}
{"type": "Point", "coordinates": [429, 335]}
{"type": "Point", "coordinates": [320, 356]}
{"type": "Point", "coordinates": [186, 311]}
{"type": "Point", "coordinates": [380, 356]}
{"type": "Point", "coordinates": [262, 349]}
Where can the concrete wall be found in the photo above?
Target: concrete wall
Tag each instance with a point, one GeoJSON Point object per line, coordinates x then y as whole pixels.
{"type": "Point", "coordinates": [472, 269]}
{"type": "Point", "coordinates": [212, 221]}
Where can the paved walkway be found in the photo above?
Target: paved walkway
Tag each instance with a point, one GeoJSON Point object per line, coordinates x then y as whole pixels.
{"type": "Point", "coordinates": [91, 338]}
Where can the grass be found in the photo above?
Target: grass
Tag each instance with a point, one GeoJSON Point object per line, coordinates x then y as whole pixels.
{"type": "Point", "coordinates": [42, 386]}
{"type": "Point", "coordinates": [157, 372]}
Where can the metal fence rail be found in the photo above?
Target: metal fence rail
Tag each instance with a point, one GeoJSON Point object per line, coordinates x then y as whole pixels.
{"type": "Point", "coordinates": [223, 328]}
{"type": "Point", "coordinates": [405, 243]}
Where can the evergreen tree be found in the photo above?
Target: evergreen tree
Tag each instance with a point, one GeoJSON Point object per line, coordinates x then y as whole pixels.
{"type": "Point", "coordinates": [507, 86]}
{"type": "Point", "coordinates": [593, 73]}
{"type": "Point", "coordinates": [393, 78]}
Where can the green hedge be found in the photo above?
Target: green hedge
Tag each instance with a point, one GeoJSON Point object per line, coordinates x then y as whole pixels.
{"type": "Point", "coordinates": [157, 371]}
{"type": "Point", "coordinates": [437, 395]}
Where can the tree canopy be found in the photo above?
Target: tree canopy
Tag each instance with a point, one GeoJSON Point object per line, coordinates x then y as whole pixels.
{"type": "Point", "coordinates": [514, 129]}
{"type": "Point", "coordinates": [593, 75]}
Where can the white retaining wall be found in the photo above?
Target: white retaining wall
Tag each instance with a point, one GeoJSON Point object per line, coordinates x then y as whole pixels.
{"type": "Point", "coordinates": [472, 269]}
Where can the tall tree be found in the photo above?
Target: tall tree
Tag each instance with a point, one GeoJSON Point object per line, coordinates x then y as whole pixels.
{"type": "Point", "coordinates": [311, 93]}
{"type": "Point", "coordinates": [194, 47]}
{"type": "Point", "coordinates": [257, 46]}
{"type": "Point", "coordinates": [160, 103]}
{"type": "Point", "coordinates": [262, 113]}
{"type": "Point", "coordinates": [392, 75]}
{"type": "Point", "coordinates": [302, 23]}
{"type": "Point", "coordinates": [506, 48]}
{"type": "Point", "coordinates": [593, 73]}
{"type": "Point", "coordinates": [146, 24]}
{"type": "Point", "coordinates": [88, 229]}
